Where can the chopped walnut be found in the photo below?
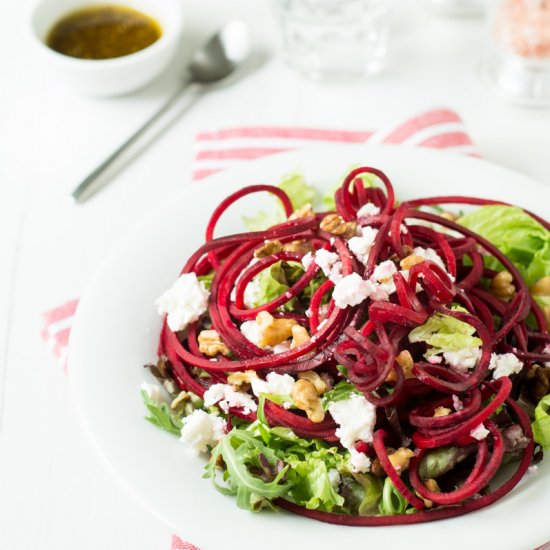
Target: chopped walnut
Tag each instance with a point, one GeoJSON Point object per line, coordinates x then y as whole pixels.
{"type": "Point", "coordinates": [501, 286]}
{"type": "Point", "coordinates": [541, 287]}
{"type": "Point", "coordinates": [210, 343]}
{"type": "Point", "coordinates": [317, 381]}
{"type": "Point", "coordinates": [300, 336]}
{"type": "Point", "coordinates": [305, 212]}
{"type": "Point", "coordinates": [405, 361]}
{"type": "Point", "coordinates": [400, 459]}
{"type": "Point", "coordinates": [300, 247]}
{"type": "Point", "coordinates": [241, 379]}
{"type": "Point", "coordinates": [442, 411]}
{"type": "Point", "coordinates": [409, 261]}
{"type": "Point", "coordinates": [335, 225]}
{"type": "Point", "coordinates": [305, 397]}
{"type": "Point", "coordinates": [181, 398]}
{"type": "Point", "coordinates": [274, 331]}
{"type": "Point", "coordinates": [431, 485]}
{"type": "Point", "coordinates": [268, 248]}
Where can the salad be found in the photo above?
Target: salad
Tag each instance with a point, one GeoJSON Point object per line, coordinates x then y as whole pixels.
{"type": "Point", "coordinates": [369, 362]}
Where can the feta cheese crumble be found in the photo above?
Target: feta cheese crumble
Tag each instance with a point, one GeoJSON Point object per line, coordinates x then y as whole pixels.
{"type": "Point", "coordinates": [362, 245]}
{"type": "Point", "coordinates": [383, 276]}
{"type": "Point", "coordinates": [431, 255]}
{"type": "Point", "coordinates": [225, 396]}
{"type": "Point", "coordinates": [329, 262]}
{"type": "Point", "coordinates": [359, 462]}
{"type": "Point", "coordinates": [201, 430]}
{"type": "Point", "coordinates": [251, 331]}
{"type": "Point", "coordinates": [252, 293]}
{"type": "Point", "coordinates": [547, 350]}
{"type": "Point", "coordinates": [463, 359]}
{"type": "Point", "coordinates": [368, 209]}
{"type": "Point", "coordinates": [185, 302]}
{"type": "Point", "coordinates": [479, 432]}
{"type": "Point", "coordinates": [504, 364]}
{"type": "Point", "coordinates": [356, 418]}
{"type": "Point", "coordinates": [280, 384]}
{"type": "Point", "coordinates": [350, 291]}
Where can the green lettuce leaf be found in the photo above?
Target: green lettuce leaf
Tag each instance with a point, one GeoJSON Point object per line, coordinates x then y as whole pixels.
{"type": "Point", "coordinates": [393, 502]}
{"type": "Point", "coordinates": [541, 425]}
{"type": "Point", "coordinates": [445, 333]}
{"type": "Point", "coordinates": [362, 493]}
{"type": "Point", "coordinates": [524, 240]}
{"type": "Point", "coordinates": [312, 487]}
{"type": "Point", "coordinates": [327, 200]}
{"type": "Point", "coordinates": [299, 193]}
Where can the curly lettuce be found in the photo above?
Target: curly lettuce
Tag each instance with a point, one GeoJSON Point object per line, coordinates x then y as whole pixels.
{"type": "Point", "coordinates": [299, 193]}
{"type": "Point", "coordinates": [541, 424]}
{"type": "Point", "coordinates": [445, 333]}
{"type": "Point", "coordinates": [515, 233]}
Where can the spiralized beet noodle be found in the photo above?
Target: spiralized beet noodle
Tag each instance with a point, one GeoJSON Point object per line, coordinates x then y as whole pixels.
{"type": "Point", "coordinates": [367, 338]}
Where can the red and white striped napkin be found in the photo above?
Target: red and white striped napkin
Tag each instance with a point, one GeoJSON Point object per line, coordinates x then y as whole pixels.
{"type": "Point", "coordinates": [222, 149]}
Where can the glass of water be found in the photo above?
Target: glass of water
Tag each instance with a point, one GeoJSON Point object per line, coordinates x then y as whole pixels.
{"type": "Point", "coordinates": [334, 39]}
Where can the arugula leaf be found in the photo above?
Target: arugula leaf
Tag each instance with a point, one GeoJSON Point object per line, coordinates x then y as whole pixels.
{"type": "Point", "coordinates": [160, 415]}
{"type": "Point", "coordinates": [241, 452]}
{"type": "Point", "coordinates": [341, 391]}
{"type": "Point", "coordinates": [207, 279]}
{"type": "Point", "coordinates": [302, 466]}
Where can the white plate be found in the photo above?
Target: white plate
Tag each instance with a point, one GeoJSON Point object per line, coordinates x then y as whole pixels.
{"type": "Point", "coordinates": [116, 331]}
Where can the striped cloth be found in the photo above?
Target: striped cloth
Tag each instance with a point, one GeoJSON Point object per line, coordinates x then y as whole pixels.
{"type": "Point", "coordinates": [222, 149]}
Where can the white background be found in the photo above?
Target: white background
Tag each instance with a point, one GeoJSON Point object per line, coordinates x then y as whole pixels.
{"type": "Point", "coordinates": [54, 492]}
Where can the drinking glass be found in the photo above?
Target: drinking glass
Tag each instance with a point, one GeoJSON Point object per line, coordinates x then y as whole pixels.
{"type": "Point", "coordinates": [518, 56]}
{"type": "Point", "coordinates": [334, 39]}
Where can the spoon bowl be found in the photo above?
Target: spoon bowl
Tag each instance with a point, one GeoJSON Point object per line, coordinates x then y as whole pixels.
{"type": "Point", "coordinates": [227, 50]}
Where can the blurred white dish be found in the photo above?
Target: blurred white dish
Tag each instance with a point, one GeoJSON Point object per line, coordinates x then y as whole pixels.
{"type": "Point", "coordinates": [109, 77]}
{"type": "Point", "coordinates": [117, 327]}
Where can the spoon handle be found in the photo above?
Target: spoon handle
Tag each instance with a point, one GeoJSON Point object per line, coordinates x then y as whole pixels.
{"type": "Point", "coordinates": [79, 194]}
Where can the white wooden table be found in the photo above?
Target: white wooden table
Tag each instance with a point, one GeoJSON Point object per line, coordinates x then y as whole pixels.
{"type": "Point", "coordinates": [54, 492]}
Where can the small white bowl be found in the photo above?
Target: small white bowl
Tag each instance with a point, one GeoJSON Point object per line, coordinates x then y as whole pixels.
{"type": "Point", "coordinates": [109, 77]}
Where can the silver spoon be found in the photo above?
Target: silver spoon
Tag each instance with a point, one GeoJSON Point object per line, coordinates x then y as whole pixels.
{"type": "Point", "coordinates": [211, 64]}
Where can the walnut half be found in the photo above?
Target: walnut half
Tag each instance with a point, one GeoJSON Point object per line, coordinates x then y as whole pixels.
{"type": "Point", "coordinates": [335, 225]}
{"type": "Point", "coordinates": [274, 331]}
{"type": "Point", "coordinates": [502, 286]}
{"type": "Point", "coordinates": [306, 398]}
{"type": "Point", "coordinates": [210, 343]}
